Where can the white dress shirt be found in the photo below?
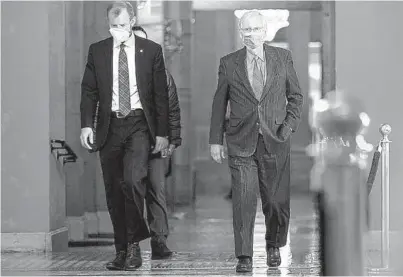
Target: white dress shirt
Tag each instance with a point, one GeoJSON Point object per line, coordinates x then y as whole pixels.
{"type": "Point", "coordinates": [134, 95]}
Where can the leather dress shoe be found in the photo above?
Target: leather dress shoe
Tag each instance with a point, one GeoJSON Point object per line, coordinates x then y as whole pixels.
{"type": "Point", "coordinates": [273, 257]}
{"type": "Point", "coordinates": [159, 250]}
{"type": "Point", "coordinates": [133, 258]}
{"type": "Point", "coordinates": [118, 263]}
{"type": "Point", "coordinates": [244, 264]}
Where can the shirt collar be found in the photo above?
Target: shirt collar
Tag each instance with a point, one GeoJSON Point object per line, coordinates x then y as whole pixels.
{"type": "Point", "coordinates": [256, 53]}
{"type": "Point", "coordinates": [128, 43]}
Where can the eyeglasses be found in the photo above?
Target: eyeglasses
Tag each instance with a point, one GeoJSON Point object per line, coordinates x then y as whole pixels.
{"type": "Point", "coordinates": [254, 30]}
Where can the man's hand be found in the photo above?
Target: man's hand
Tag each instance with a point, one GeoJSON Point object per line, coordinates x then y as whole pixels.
{"type": "Point", "coordinates": [86, 135]}
{"type": "Point", "coordinates": [167, 152]}
{"type": "Point", "coordinates": [217, 152]}
{"type": "Point", "coordinates": [160, 144]}
{"type": "Point", "coordinates": [284, 132]}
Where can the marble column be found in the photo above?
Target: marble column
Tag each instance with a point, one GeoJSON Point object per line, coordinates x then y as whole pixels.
{"type": "Point", "coordinates": [33, 179]}
{"type": "Point", "coordinates": [76, 184]}
{"type": "Point", "coordinates": [97, 220]}
{"type": "Point", "coordinates": [298, 36]}
{"type": "Point", "coordinates": [180, 190]}
{"type": "Point", "coordinates": [214, 37]}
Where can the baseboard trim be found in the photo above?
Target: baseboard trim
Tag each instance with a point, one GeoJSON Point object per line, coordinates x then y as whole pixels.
{"type": "Point", "coordinates": [91, 223]}
{"type": "Point", "coordinates": [77, 228]}
{"type": "Point", "coordinates": [104, 223]}
{"type": "Point", "coordinates": [54, 241]}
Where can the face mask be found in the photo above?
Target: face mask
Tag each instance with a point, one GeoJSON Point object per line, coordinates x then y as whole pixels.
{"type": "Point", "coordinates": [119, 35]}
{"type": "Point", "coordinates": [253, 41]}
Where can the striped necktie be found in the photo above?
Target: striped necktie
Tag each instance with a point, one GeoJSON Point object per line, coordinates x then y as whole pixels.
{"type": "Point", "coordinates": [257, 80]}
{"type": "Point", "coordinates": [124, 85]}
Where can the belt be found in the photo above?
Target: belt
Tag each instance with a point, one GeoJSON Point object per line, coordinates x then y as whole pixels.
{"type": "Point", "coordinates": [136, 112]}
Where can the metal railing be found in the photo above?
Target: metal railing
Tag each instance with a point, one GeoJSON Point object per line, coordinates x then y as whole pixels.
{"type": "Point", "coordinates": [63, 150]}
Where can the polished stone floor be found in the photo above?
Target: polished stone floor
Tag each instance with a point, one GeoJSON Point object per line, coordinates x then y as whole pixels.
{"type": "Point", "coordinates": [202, 238]}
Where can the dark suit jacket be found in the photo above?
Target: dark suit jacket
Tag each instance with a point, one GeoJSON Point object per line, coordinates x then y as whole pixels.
{"type": "Point", "coordinates": [174, 112]}
{"type": "Point", "coordinates": [174, 115]}
{"type": "Point", "coordinates": [281, 102]}
{"type": "Point", "coordinates": [151, 83]}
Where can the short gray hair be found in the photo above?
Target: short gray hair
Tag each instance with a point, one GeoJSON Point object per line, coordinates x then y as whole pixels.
{"type": "Point", "coordinates": [117, 7]}
{"type": "Point", "coordinates": [249, 14]}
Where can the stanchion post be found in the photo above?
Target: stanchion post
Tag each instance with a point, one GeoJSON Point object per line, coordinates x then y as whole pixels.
{"type": "Point", "coordinates": [385, 130]}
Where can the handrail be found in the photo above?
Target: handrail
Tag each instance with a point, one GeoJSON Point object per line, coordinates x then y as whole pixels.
{"type": "Point", "coordinates": [68, 157]}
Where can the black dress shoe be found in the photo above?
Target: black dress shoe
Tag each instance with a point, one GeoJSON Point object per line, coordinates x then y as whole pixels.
{"type": "Point", "coordinates": [118, 263]}
{"type": "Point", "coordinates": [273, 257]}
{"type": "Point", "coordinates": [159, 250]}
{"type": "Point", "coordinates": [244, 264]}
{"type": "Point", "coordinates": [133, 258]}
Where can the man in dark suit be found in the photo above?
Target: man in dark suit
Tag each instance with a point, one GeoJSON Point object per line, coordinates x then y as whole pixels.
{"type": "Point", "coordinates": [126, 75]}
{"type": "Point", "coordinates": [157, 214]}
{"type": "Point", "coordinates": [261, 85]}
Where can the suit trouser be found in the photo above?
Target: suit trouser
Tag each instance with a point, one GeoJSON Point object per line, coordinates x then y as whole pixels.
{"type": "Point", "coordinates": [157, 215]}
{"type": "Point", "coordinates": [271, 175]}
{"type": "Point", "coordinates": [124, 161]}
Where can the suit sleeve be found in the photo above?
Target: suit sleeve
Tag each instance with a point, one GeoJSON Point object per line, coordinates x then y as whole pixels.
{"type": "Point", "coordinates": [89, 92]}
{"type": "Point", "coordinates": [174, 113]}
{"type": "Point", "coordinates": [160, 95]}
{"type": "Point", "coordinates": [294, 95]}
{"type": "Point", "coordinates": [219, 106]}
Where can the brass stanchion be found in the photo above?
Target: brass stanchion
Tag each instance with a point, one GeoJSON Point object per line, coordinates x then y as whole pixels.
{"type": "Point", "coordinates": [385, 130]}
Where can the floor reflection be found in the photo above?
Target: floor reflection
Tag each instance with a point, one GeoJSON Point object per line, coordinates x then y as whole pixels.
{"type": "Point", "coordinates": [203, 242]}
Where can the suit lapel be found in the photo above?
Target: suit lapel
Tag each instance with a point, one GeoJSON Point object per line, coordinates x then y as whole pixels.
{"type": "Point", "coordinates": [271, 68]}
{"type": "Point", "coordinates": [139, 57]}
{"type": "Point", "coordinates": [241, 70]}
{"type": "Point", "coordinates": [109, 63]}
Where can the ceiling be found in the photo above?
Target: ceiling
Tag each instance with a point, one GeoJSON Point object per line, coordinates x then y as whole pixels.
{"type": "Point", "coordinates": [237, 5]}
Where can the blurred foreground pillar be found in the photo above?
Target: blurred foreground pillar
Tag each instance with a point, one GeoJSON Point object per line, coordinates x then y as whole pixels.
{"type": "Point", "coordinates": [180, 186]}
{"type": "Point", "coordinates": [341, 180]}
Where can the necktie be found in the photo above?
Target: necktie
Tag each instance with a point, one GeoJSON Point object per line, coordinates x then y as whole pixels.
{"type": "Point", "coordinates": [257, 81]}
{"type": "Point", "coordinates": [124, 85]}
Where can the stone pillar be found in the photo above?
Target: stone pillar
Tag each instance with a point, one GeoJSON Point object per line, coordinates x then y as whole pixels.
{"type": "Point", "coordinates": [33, 80]}
{"type": "Point", "coordinates": [214, 33]}
{"type": "Point", "coordinates": [181, 187]}
{"type": "Point", "coordinates": [77, 188]}
{"type": "Point", "coordinates": [328, 47]}
{"type": "Point", "coordinates": [298, 36]}
{"type": "Point", "coordinates": [86, 23]}
{"type": "Point", "coordinates": [95, 28]}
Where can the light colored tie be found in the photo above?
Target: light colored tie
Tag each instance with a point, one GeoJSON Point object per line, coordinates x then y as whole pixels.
{"type": "Point", "coordinates": [257, 80]}
{"type": "Point", "coordinates": [124, 85]}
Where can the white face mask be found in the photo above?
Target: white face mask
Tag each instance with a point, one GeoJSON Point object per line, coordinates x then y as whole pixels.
{"type": "Point", "coordinates": [253, 41]}
{"type": "Point", "coordinates": [120, 35]}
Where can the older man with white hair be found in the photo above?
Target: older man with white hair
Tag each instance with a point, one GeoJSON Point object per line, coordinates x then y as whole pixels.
{"type": "Point", "coordinates": [260, 83]}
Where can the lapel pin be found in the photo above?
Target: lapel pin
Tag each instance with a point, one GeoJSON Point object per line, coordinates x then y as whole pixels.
{"type": "Point", "coordinates": [141, 50]}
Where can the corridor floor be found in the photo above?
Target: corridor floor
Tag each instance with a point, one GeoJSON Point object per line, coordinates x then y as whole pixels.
{"type": "Point", "coordinates": [203, 241]}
